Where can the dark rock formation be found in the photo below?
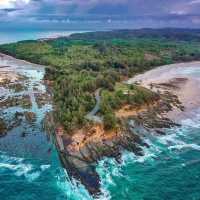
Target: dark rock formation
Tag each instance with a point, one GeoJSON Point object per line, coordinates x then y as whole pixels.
{"type": "Point", "coordinates": [3, 127]}
{"type": "Point", "coordinates": [30, 117]}
{"type": "Point", "coordinates": [42, 99]}
{"type": "Point", "coordinates": [23, 101]}
{"type": "Point", "coordinates": [81, 164]}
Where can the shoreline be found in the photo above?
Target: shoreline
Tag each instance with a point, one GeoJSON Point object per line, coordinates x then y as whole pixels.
{"type": "Point", "coordinates": [164, 118]}
{"type": "Point", "coordinates": [176, 78]}
{"type": "Point", "coordinates": [161, 68]}
{"type": "Point", "coordinates": [113, 143]}
{"type": "Point", "coordinates": [23, 103]}
{"type": "Point", "coordinates": [15, 62]}
{"type": "Point", "coordinates": [78, 152]}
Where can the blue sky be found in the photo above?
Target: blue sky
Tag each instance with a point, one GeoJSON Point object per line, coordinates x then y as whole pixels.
{"type": "Point", "coordinates": [103, 13]}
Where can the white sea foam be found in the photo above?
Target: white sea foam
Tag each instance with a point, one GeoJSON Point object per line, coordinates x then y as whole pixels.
{"type": "Point", "coordinates": [23, 169]}
{"type": "Point", "coordinates": [44, 167]}
{"type": "Point", "coordinates": [7, 166]}
{"type": "Point", "coordinates": [33, 176]}
{"type": "Point", "coordinates": [173, 141]}
{"type": "Point", "coordinates": [169, 139]}
{"type": "Point", "coordinates": [6, 158]}
{"type": "Point", "coordinates": [109, 165]}
{"type": "Point", "coordinates": [105, 195]}
{"type": "Point", "coordinates": [148, 155]}
{"type": "Point", "coordinates": [20, 167]}
{"type": "Point", "coordinates": [127, 157]}
{"type": "Point", "coordinates": [191, 123]}
{"type": "Point", "coordinates": [108, 168]}
{"type": "Point", "coordinates": [71, 187]}
{"type": "Point", "coordinates": [184, 145]}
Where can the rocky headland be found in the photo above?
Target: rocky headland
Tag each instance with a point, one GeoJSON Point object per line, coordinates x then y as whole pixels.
{"type": "Point", "coordinates": [81, 149]}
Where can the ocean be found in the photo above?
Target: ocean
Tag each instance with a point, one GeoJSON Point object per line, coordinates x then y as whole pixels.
{"type": "Point", "coordinates": [30, 168]}
{"type": "Point", "coordinates": [14, 36]}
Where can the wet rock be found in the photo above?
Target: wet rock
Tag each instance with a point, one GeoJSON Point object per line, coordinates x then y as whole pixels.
{"type": "Point", "coordinates": [42, 99]}
{"type": "Point", "coordinates": [19, 115]}
{"type": "Point", "coordinates": [83, 171]}
{"type": "Point", "coordinates": [16, 120]}
{"type": "Point", "coordinates": [23, 134]}
{"type": "Point", "coordinates": [3, 127]}
{"type": "Point", "coordinates": [49, 124]}
{"type": "Point", "coordinates": [26, 102]}
{"type": "Point", "coordinates": [17, 87]}
{"type": "Point", "coordinates": [5, 82]}
{"type": "Point", "coordinates": [160, 132]}
{"type": "Point", "coordinates": [23, 101]}
{"type": "Point", "coordinates": [30, 117]}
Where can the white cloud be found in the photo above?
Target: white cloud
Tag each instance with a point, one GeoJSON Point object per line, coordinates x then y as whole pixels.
{"type": "Point", "coordinates": [6, 4]}
{"type": "Point", "coordinates": [194, 2]}
{"type": "Point", "coordinates": [9, 4]}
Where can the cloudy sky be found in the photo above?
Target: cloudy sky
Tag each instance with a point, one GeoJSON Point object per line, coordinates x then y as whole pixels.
{"type": "Point", "coordinates": [119, 13]}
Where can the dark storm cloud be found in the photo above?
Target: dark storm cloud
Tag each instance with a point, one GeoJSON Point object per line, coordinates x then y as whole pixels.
{"type": "Point", "coordinates": [145, 12]}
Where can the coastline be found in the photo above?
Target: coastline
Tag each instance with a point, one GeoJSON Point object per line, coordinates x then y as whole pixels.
{"type": "Point", "coordinates": [131, 144]}
{"type": "Point", "coordinates": [180, 82]}
{"type": "Point", "coordinates": [81, 150]}
{"type": "Point", "coordinates": [28, 159]}
{"type": "Point", "coordinates": [165, 118]}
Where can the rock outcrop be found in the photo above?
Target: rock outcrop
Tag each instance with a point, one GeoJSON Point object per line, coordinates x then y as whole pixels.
{"type": "Point", "coordinates": [3, 127]}
{"type": "Point", "coordinates": [81, 150]}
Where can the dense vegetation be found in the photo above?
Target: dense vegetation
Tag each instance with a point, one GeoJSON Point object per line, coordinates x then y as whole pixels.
{"type": "Point", "coordinates": [123, 94]}
{"type": "Point", "coordinates": [82, 63]}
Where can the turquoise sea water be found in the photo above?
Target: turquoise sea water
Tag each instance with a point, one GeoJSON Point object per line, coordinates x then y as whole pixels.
{"type": "Point", "coordinates": [170, 169]}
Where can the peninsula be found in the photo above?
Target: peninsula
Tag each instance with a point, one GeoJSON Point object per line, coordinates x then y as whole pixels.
{"type": "Point", "coordinates": [97, 111]}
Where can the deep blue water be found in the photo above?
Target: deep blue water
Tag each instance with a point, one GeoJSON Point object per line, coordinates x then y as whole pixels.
{"type": "Point", "coordinates": [14, 36]}
{"type": "Point", "coordinates": [30, 168]}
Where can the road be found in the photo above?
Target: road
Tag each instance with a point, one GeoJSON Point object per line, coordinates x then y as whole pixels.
{"type": "Point", "coordinates": [92, 114]}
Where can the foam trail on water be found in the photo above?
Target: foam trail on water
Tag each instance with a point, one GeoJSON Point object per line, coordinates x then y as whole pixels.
{"type": "Point", "coordinates": [72, 188]}
{"type": "Point", "coordinates": [184, 145]}
{"type": "Point", "coordinates": [20, 168]}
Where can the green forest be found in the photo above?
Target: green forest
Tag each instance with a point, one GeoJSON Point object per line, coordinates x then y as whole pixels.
{"type": "Point", "coordinates": [80, 64]}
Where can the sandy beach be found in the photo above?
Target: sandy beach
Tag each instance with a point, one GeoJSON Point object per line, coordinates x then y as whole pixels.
{"type": "Point", "coordinates": [8, 63]}
{"type": "Point", "coordinates": [181, 79]}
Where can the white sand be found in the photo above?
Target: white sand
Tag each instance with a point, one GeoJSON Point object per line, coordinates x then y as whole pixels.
{"type": "Point", "coordinates": [188, 92]}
